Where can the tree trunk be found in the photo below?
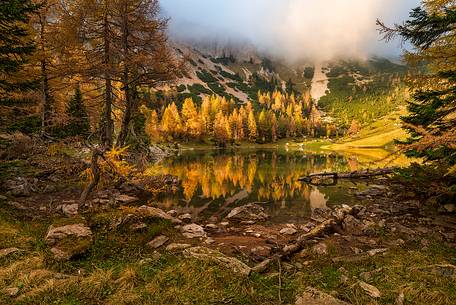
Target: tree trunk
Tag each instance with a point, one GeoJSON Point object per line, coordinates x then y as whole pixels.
{"type": "Point", "coordinates": [46, 95]}
{"type": "Point", "coordinates": [107, 122]}
{"type": "Point", "coordinates": [127, 86]}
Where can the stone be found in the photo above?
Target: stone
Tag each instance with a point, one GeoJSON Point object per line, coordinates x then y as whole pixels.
{"type": "Point", "coordinates": [193, 231]}
{"type": "Point", "coordinates": [248, 212]}
{"type": "Point", "coordinates": [8, 251]}
{"type": "Point", "coordinates": [3, 198]}
{"type": "Point", "coordinates": [158, 241]}
{"type": "Point", "coordinates": [209, 241]}
{"type": "Point", "coordinates": [211, 226]}
{"type": "Point", "coordinates": [158, 213]}
{"type": "Point", "coordinates": [313, 296]}
{"type": "Point", "coordinates": [446, 270]}
{"type": "Point", "coordinates": [374, 252]}
{"type": "Point", "coordinates": [288, 231]}
{"type": "Point", "coordinates": [172, 213]}
{"type": "Point", "coordinates": [187, 218]}
{"type": "Point", "coordinates": [219, 258]}
{"type": "Point", "coordinates": [68, 240]}
{"type": "Point", "coordinates": [138, 226]}
{"type": "Point", "coordinates": [177, 247]}
{"type": "Point", "coordinates": [320, 249]}
{"type": "Point", "coordinates": [352, 225]}
{"type": "Point", "coordinates": [70, 209]}
{"type": "Point", "coordinates": [450, 208]}
{"type": "Point", "coordinates": [126, 199]}
{"type": "Point", "coordinates": [370, 290]}
{"type": "Point", "coordinates": [12, 291]}
{"type": "Point", "coordinates": [262, 267]}
{"type": "Point", "coordinates": [400, 298]}
{"type": "Point", "coordinates": [307, 227]}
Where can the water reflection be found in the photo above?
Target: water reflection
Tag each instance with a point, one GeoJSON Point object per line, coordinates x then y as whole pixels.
{"type": "Point", "coordinates": [216, 180]}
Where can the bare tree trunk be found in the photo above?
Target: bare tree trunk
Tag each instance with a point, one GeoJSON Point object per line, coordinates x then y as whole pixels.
{"type": "Point", "coordinates": [46, 95]}
{"type": "Point", "coordinates": [107, 122]}
{"type": "Point", "coordinates": [125, 79]}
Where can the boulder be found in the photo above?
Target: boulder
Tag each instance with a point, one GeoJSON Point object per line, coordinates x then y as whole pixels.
{"type": "Point", "coordinates": [313, 296]}
{"type": "Point", "coordinates": [288, 231]}
{"type": "Point", "coordinates": [206, 254]}
{"type": "Point", "coordinates": [248, 212]}
{"type": "Point", "coordinates": [158, 241]}
{"type": "Point", "coordinates": [187, 218]}
{"type": "Point", "coordinates": [70, 209]}
{"type": "Point", "coordinates": [157, 213]}
{"type": "Point", "coordinates": [68, 240]}
{"type": "Point", "coordinates": [370, 290]}
{"type": "Point", "coordinates": [193, 231]}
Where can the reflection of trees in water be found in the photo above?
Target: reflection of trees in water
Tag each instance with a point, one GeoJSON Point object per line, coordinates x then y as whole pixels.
{"type": "Point", "coordinates": [269, 175]}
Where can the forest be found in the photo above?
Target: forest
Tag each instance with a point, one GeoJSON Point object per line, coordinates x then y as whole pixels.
{"type": "Point", "coordinates": [144, 160]}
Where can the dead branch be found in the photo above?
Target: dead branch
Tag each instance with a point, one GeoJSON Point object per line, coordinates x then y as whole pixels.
{"type": "Point", "coordinates": [352, 175]}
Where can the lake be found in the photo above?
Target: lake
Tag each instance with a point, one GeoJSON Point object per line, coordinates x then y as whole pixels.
{"type": "Point", "coordinates": [213, 182]}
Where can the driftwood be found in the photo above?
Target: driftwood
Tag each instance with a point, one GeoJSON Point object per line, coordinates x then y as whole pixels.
{"type": "Point", "coordinates": [352, 175]}
{"type": "Point", "coordinates": [324, 228]}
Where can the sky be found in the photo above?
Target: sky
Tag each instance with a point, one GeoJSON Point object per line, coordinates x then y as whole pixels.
{"type": "Point", "coordinates": [291, 29]}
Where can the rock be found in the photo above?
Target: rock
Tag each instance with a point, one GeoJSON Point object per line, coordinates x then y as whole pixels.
{"type": "Point", "coordinates": [343, 279]}
{"type": "Point", "coordinates": [12, 291]}
{"type": "Point", "coordinates": [69, 240]}
{"type": "Point", "coordinates": [158, 213]}
{"type": "Point", "coordinates": [126, 199]}
{"type": "Point", "coordinates": [261, 267]}
{"type": "Point", "coordinates": [3, 198]}
{"type": "Point", "coordinates": [217, 257]}
{"type": "Point", "coordinates": [370, 290]}
{"type": "Point", "coordinates": [8, 251]}
{"type": "Point", "coordinates": [400, 298]}
{"type": "Point", "coordinates": [356, 250]}
{"type": "Point", "coordinates": [211, 226]}
{"type": "Point", "coordinates": [446, 270]}
{"type": "Point", "coordinates": [288, 231]}
{"type": "Point", "coordinates": [209, 241]}
{"type": "Point", "coordinates": [186, 218]}
{"type": "Point", "coordinates": [352, 225]}
{"type": "Point", "coordinates": [450, 208]}
{"type": "Point", "coordinates": [138, 226]}
{"type": "Point", "coordinates": [177, 247]}
{"type": "Point", "coordinates": [248, 212]}
{"type": "Point", "coordinates": [70, 209]}
{"type": "Point", "coordinates": [312, 296]}
{"type": "Point", "coordinates": [321, 214]}
{"type": "Point", "coordinates": [320, 249]}
{"type": "Point", "coordinates": [19, 187]}
{"type": "Point", "coordinates": [193, 231]}
{"type": "Point", "coordinates": [374, 252]}
{"type": "Point", "coordinates": [172, 213]}
{"type": "Point", "coordinates": [158, 241]}
{"type": "Point", "coordinates": [308, 227]}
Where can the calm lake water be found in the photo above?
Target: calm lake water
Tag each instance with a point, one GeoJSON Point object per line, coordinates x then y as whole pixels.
{"type": "Point", "coordinates": [214, 182]}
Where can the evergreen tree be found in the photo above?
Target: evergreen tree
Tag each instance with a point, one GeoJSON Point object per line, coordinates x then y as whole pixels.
{"type": "Point", "coordinates": [15, 44]}
{"type": "Point", "coordinates": [431, 122]}
{"type": "Point", "coordinates": [78, 118]}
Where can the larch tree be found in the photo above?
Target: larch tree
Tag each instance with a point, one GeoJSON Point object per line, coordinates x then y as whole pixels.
{"type": "Point", "coordinates": [16, 44]}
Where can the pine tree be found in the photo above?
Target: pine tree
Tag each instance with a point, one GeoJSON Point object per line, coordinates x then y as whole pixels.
{"type": "Point", "coordinates": [252, 126]}
{"type": "Point", "coordinates": [16, 44]}
{"type": "Point", "coordinates": [78, 118]}
{"type": "Point", "coordinates": [432, 124]}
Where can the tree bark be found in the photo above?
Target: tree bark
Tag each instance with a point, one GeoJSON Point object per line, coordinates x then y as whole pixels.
{"type": "Point", "coordinates": [45, 90]}
{"type": "Point", "coordinates": [107, 122]}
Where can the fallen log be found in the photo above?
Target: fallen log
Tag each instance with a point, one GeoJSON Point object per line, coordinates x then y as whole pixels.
{"type": "Point", "coordinates": [351, 175]}
{"type": "Point", "coordinates": [324, 228]}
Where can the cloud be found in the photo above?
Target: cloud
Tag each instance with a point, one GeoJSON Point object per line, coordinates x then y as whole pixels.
{"type": "Point", "coordinates": [292, 29]}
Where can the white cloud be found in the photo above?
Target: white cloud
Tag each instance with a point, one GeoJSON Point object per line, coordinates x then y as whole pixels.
{"type": "Point", "coordinates": [294, 29]}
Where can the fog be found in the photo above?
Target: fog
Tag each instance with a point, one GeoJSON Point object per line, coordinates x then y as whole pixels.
{"type": "Point", "coordinates": [291, 29]}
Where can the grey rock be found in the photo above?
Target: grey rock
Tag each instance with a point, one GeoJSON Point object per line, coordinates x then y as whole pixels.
{"type": "Point", "coordinates": [69, 240]}
{"type": "Point", "coordinates": [70, 210]}
{"type": "Point", "coordinates": [320, 249]}
{"type": "Point", "coordinates": [248, 212]}
{"type": "Point", "coordinates": [370, 290]}
{"type": "Point", "coordinates": [313, 296]}
{"type": "Point", "coordinates": [158, 241]}
{"type": "Point", "coordinates": [219, 258]}
{"type": "Point", "coordinates": [193, 231]}
{"type": "Point", "coordinates": [158, 213]}
{"type": "Point", "coordinates": [288, 231]}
